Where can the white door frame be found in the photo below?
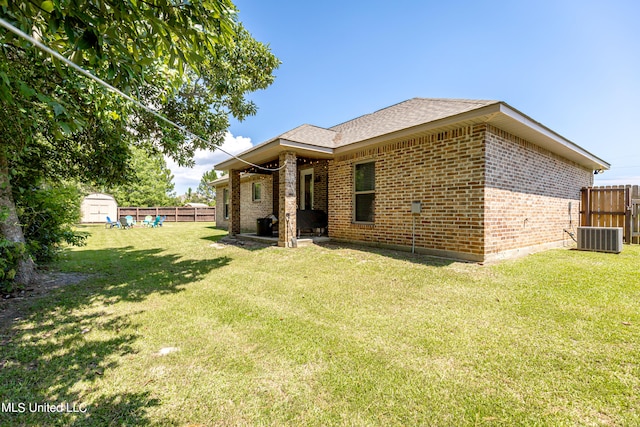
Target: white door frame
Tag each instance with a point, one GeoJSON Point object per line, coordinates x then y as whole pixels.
{"type": "Point", "coordinates": [303, 174]}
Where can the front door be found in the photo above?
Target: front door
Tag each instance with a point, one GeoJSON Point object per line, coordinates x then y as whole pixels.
{"type": "Point", "coordinates": [306, 189]}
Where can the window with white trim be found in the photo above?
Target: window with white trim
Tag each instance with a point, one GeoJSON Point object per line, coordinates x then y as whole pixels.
{"type": "Point", "coordinates": [364, 194]}
{"type": "Point", "coordinates": [225, 202]}
{"type": "Point", "coordinates": [256, 191]}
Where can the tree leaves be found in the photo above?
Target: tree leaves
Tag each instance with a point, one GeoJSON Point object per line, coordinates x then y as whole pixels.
{"type": "Point", "coordinates": [26, 91]}
{"type": "Point", "coordinates": [113, 32]}
{"type": "Point", "coordinates": [151, 183]}
{"type": "Point", "coordinates": [47, 6]}
{"type": "Point", "coordinates": [88, 40]}
{"type": "Point", "coordinates": [191, 60]}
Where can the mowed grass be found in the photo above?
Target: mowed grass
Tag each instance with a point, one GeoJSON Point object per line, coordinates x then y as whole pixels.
{"type": "Point", "coordinates": [173, 328]}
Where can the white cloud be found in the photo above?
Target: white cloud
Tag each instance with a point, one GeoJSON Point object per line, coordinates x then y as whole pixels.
{"type": "Point", "coordinates": [184, 177]}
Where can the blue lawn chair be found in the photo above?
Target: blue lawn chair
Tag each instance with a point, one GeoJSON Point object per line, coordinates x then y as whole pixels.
{"type": "Point", "coordinates": [130, 221]}
{"type": "Point", "coordinates": [110, 224]}
{"type": "Point", "coordinates": [156, 222]}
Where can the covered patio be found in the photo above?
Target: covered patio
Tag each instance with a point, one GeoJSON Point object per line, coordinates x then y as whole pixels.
{"type": "Point", "coordinates": [299, 178]}
{"type": "Point", "coordinates": [298, 242]}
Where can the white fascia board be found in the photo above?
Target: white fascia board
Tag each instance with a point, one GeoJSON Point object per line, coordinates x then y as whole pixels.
{"type": "Point", "coordinates": [252, 153]}
{"type": "Point", "coordinates": [266, 151]}
{"type": "Point", "coordinates": [305, 147]}
{"type": "Point", "coordinates": [514, 114]}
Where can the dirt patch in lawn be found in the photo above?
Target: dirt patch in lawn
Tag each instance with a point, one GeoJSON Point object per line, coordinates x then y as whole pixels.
{"type": "Point", "coordinates": [13, 306]}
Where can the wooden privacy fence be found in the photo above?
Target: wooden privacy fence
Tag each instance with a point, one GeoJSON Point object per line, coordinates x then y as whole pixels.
{"type": "Point", "coordinates": [613, 206]}
{"type": "Point", "coordinates": [173, 214]}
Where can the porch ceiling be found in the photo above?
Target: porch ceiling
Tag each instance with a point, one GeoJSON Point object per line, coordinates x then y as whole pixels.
{"type": "Point", "coordinates": [270, 151]}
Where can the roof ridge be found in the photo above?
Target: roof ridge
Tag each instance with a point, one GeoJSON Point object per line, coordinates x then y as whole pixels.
{"type": "Point", "coordinates": [417, 98]}
{"type": "Point", "coordinates": [467, 100]}
{"type": "Point", "coordinates": [311, 134]}
{"type": "Point", "coordinates": [319, 127]}
{"type": "Point", "coordinates": [305, 125]}
{"type": "Point", "coordinates": [368, 114]}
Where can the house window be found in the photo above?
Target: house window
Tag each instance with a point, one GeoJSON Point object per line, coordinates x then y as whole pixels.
{"type": "Point", "coordinates": [256, 191]}
{"type": "Point", "coordinates": [225, 202]}
{"type": "Point", "coordinates": [364, 185]}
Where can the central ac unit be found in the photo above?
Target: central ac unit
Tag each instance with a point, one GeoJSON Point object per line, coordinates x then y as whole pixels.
{"type": "Point", "coordinates": [600, 239]}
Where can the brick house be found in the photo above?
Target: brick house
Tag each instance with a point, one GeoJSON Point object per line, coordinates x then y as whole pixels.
{"type": "Point", "coordinates": [484, 180]}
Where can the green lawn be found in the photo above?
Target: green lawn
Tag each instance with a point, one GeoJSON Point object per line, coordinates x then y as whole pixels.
{"type": "Point", "coordinates": [331, 335]}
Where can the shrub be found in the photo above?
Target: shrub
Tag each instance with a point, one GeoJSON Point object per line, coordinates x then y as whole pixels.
{"type": "Point", "coordinates": [48, 214]}
{"type": "Point", "coordinates": [10, 254]}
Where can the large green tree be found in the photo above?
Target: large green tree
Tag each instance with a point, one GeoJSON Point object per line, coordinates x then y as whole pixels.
{"type": "Point", "coordinates": [205, 190]}
{"type": "Point", "coordinates": [192, 61]}
{"type": "Point", "coordinates": [152, 184]}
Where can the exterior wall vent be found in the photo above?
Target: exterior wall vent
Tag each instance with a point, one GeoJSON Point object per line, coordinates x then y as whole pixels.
{"type": "Point", "coordinates": [600, 239]}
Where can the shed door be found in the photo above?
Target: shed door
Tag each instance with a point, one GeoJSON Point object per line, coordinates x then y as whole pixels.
{"type": "Point", "coordinates": [98, 212]}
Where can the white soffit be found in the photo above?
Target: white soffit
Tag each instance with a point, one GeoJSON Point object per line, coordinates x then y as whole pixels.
{"type": "Point", "coordinates": [518, 124]}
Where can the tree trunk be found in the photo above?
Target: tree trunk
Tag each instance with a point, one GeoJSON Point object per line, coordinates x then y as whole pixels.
{"type": "Point", "coordinates": [10, 227]}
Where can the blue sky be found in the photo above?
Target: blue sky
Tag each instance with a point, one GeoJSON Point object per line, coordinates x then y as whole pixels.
{"type": "Point", "coordinates": [573, 66]}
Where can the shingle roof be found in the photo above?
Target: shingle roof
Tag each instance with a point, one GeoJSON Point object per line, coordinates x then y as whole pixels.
{"type": "Point", "coordinates": [403, 115]}
{"type": "Point", "coordinates": [407, 115]}
{"type": "Point", "coordinates": [314, 135]}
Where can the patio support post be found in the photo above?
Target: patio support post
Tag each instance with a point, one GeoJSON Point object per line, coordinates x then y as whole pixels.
{"type": "Point", "coordinates": [287, 229]}
{"type": "Point", "coordinates": [234, 203]}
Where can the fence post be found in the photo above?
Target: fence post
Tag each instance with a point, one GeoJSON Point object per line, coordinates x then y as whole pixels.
{"type": "Point", "coordinates": [583, 206]}
{"type": "Point", "coordinates": [627, 215]}
{"type": "Point", "coordinates": [587, 209]}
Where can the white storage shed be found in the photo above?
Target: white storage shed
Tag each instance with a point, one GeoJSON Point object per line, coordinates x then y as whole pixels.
{"type": "Point", "coordinates": [96, 207]}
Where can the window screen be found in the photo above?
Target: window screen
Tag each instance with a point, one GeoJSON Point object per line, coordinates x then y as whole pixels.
{"type": "Point", "coordinates": [225, 202]}
{"type": "Point", "coordinates": [365, 177]}
{"type": "Point", "coordinates": [257, 191]}
{"type": "Point", "coordinates": [364, 194]}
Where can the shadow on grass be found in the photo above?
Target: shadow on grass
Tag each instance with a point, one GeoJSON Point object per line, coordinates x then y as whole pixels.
{"type": "Point", "coordinates": [224, 238]}
{"type": "Point", "coordinates": [61, 352]}
{"type": "Point", "coordinates": [222, 233]}
{"type": "Point", "coordinates": [422, 259]}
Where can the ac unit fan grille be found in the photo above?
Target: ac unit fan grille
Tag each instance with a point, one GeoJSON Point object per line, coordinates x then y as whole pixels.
{"type": "Point", "coordinates": [600, 239]}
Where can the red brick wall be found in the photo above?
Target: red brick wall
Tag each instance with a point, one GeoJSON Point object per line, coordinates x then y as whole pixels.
{"type": "Point", "coordinates": [444, 171]}
{"type": "Point", "coordinates": [483, 191]}
{"type": "Point", "coordinates": [531, 194]}
{"type": "Point", "coordinates": [250, 210]}
{"type": "Point", "coordinates": [321, 185]}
